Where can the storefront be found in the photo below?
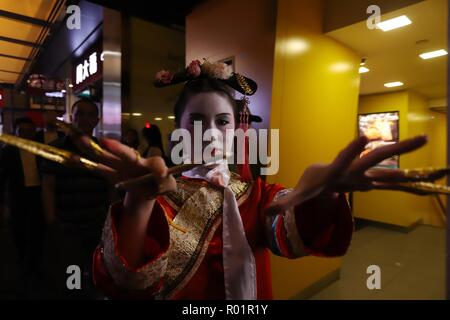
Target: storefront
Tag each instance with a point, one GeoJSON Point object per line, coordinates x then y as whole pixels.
{"type": "Point", "coordinates": [74, 59]}
{"type": "Point", "coordinates": [87, 73]}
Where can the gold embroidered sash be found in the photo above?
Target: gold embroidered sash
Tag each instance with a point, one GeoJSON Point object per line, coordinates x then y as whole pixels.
{"type": "Point", "coordinates": [200, 213]}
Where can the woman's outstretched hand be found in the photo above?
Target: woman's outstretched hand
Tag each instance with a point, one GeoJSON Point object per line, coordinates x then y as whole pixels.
{"type": "Point", "coordinates": [119, 162]}
{"type": "Point", "coordinates": [348, 172]}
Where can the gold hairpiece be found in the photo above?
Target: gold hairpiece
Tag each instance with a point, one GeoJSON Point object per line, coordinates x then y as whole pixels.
{"type": "Point", "coordinates": [243, 83]}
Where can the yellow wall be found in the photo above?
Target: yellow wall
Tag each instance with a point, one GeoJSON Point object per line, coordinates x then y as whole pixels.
{"type": "Point", "coordinates": [438, 137]}
{"type": "Point", "coordinates": [415, 118]}
{"type": "Point", "coordinates": [314, 104]}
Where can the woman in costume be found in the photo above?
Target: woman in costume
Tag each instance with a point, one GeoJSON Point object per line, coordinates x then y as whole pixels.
{"type": "Point", "coordinates": [207, 234]}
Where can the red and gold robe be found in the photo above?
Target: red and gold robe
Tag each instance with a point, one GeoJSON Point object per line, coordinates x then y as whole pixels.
{"type": "Point", "coordinates": [184, 257]}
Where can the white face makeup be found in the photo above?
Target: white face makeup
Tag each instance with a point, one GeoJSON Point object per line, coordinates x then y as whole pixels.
{"type": "Point", "coordinates": [216, 115]}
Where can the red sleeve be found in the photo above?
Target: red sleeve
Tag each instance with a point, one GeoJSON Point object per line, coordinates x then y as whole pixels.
{"type": "Point", "coordinates": [110, 267]}
{"type": "Point", "coordinates": [322, 226]}
{"type": "Point", "coordinates": [325, 225]}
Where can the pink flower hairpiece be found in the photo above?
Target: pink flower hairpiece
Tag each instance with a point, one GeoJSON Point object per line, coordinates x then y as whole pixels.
{"type": "Point", "coordinates": [164, 77]}
{"type": "Point", "coordinates": [214, 70]}
{"type": "Point", "coordinates": [194, 69]}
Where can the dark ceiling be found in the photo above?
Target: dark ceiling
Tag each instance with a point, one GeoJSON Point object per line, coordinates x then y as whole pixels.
{"type": "Point", "coordinates": [166, 12]}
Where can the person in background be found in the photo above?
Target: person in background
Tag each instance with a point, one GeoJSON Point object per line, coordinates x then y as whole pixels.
{"type": "Point", "coordinates": [76, 203]}
{"type": "Point", "coordinates": [152, 136]}
{"type": "Point", "coordinates": [131, 138]}
{"type": "Point", "coordinates": [21, 181]}
{"type": "Point", "coordinates": [50, 132]}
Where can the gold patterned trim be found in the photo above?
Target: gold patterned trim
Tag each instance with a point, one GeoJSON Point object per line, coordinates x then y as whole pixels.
{"type": "Point", "coordinates": [141, 279]}
{"type": "Point", "coordinates": [186, 188]}
{"type": "Point", "coordinates": [201, 216]}
{"type": "Point", "coordinates": [190, 272]}
{"type": "Point", "coordinates": [243, 84]}
{"type": "Point", "coordinates": [241, 189]}
{"type": "Point", "coordinates": [197, 215]}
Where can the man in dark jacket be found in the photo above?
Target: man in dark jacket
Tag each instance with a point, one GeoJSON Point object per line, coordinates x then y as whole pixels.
{"type": "Point", "coordinates": [76, 203]}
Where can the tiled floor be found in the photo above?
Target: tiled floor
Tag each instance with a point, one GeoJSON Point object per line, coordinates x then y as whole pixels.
{"type": "Point", "coordinates": [412, 265]}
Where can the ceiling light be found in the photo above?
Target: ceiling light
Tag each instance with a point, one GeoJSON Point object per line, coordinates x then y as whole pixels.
{"type": "Point", "coordinates": [433, 54]}
{"type": "Point", "coordinates": [136, 114]}
{"type": "Point", "coordinates": [393, 84]}
{"type": "Point", "coordinates": [394, 23]}
{"type": "Point", "coordinates": [158, 119]}
{"type": "Point", "coordinates": [171, 117]}
{"type": "Point", "coordinates": [70, 85]}
{"type": "Point", "coordinates": [363, 70]}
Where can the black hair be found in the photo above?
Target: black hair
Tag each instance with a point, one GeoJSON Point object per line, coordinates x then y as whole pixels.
{"type": "Point", "coordinates": [135, 132]}
{"type": "Point", "coordinates": [85, 100]}
{"type": "Point", "coordinates": [202, 85]}
{"type": "Point", "coordinates": [22, 120]}
{"type": "Point", "coordinates": [153, 137]}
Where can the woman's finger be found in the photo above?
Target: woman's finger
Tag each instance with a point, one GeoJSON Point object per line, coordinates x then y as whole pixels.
{"type": "Point", "coordinates": [346, 157]}
{"type": "Point", "coordinates": [316, 177]}
{"type": "Point", "coordinates": [400, 187]}
{"type": "Point", "coordinates": [376, 156]}
{"type": "Point", "coordinates": [99, 168]}
{"type": "Point", "coordinates": [394, 175]}
{"type": "Point", "coordinates": [151, 171]}
{"type": "Point", "coordinates": [386, 175]}
{"type": "Point", "coordinates": [123, 152]}
{"type": "Point", "coordinates": [84, 144]}
{"type": "Point", "coordinates": [156, 166]}
{"type": "Point", "coordinates": [107, 172]}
